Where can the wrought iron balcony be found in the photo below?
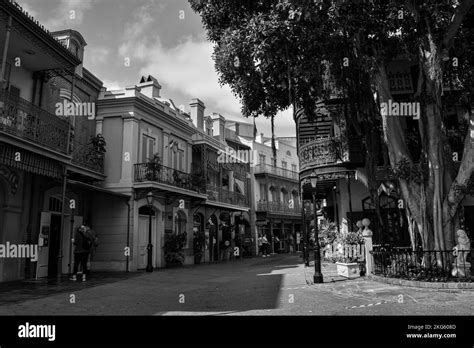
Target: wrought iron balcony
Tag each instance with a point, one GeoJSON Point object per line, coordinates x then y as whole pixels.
{"type": "Point", "coordinates": [25, 120]}
{"type": "Point", "coordinates": [277, 171]}
{"type": "Point", "coordinates": [278, 207]}
{"type": "Point", "coordinates": [322, 152]}
{"type": "Point", "coordinates": [329, 151]}
{"type": "Point", "coordinates": [165, 175]}
{"type": "Point", "coordinates": [222, 195]}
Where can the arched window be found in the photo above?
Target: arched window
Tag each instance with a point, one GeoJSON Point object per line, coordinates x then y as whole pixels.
{"type": "Point", "coordinates": [55, 204]}
{"type": "Point", "coordinates": [284, 195]}
{"type": "Point", "coordinates": [274, 194]}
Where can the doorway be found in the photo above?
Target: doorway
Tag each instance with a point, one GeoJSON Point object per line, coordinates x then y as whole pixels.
{"type": "Point", "coordinates": [143, 236]}
{"type": "Point", "coordinates": [53, 244]}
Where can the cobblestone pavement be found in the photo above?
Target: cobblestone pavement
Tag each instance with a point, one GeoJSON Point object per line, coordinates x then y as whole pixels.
{"type": "Point", "coordinates": [260, 286]}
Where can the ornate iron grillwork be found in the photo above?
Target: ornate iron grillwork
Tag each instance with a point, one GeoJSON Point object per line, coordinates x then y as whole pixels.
{"type": "Point", "coordinates": [25, 120]}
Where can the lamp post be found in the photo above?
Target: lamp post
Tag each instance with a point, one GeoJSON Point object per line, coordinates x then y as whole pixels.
{"type": "Point", "coordinates": [149, 266]}
{"type": "Point", "coordinates": [307, 209]}
{"type": "Point", "coordinates": [318, 276]}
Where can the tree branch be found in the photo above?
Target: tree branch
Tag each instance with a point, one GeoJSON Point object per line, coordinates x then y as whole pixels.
{"type": "Point", "coordinates": [456, 22]}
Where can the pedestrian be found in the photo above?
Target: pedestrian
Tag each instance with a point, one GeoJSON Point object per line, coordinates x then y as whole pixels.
{"type": "Point", "coordinates": [83, 242]}
{"type": "Point", "coordinates": [95, 244]}
{"type": "Point", "coordinates": [265, 245]}
{"type": "Point", "coordinates": [260, 245]}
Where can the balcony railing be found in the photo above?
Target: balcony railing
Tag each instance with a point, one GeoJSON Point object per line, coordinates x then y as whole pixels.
{"type": "Point", "coordinates": [25, 120]}
{"type": "Point", "coordinates": [323, 151]}
{"type": "Point", "coordinates": [165, 175]}
{"type": "Point", "coordinates": [282, 172]}
{"type": "Point", "coordinates": [222, 195]}
{"type": "Point", "coordinates": [278, 207]}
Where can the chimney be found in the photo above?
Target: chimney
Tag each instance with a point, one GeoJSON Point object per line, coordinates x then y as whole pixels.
{"type": "Point", "coordinates": [149, 87]}
{"type": "Point", "coordinates": [218, 125]}
{"type": "Point", "coordinates": [197, 113]}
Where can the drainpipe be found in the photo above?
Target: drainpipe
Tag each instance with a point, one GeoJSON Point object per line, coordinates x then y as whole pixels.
{"type": "Point", "coordinates": [127, 265]}
{"type": "Point", "coordinates": [5, 50]}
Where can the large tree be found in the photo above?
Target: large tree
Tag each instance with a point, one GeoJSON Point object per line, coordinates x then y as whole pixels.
{"type": "Point", "coordinates": [276, 54]}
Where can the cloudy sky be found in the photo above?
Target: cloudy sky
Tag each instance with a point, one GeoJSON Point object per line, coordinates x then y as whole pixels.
{"type": "Point", "coordinates": [163, 38]}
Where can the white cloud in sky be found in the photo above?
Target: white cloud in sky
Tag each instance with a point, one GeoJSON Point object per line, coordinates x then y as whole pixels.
{"type": "Point", "coordinates": [187, 68]}
{"type": "Point", "coordinates": [113, 85]}
{"type": "Point", "coordinates": [95, 55]}
{"type": "Point", "coordinates": [67, 13]}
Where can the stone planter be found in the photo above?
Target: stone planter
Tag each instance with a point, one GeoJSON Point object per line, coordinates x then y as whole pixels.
{"type": "Point", "coordinates": [348, 270]}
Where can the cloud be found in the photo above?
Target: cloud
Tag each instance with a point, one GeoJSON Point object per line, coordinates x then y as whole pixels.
{"type": "Point", "coordinates": [95, 56]}
{"type": "Point", "coordinates": [113, 85]}
{"type": "Point", "coordinates": [27, 7]}
{"type": "Point", "coordinates": [67, 13]}
{"type": "Point", "coordinates": [188, 68]}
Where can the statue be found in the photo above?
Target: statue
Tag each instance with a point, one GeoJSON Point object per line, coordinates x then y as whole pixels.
{"type": "Point", "coordinates": [461, 267]}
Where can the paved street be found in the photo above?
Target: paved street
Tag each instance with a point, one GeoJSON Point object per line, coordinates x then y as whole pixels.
{"type": "Point", "coordinates": [259, 286]}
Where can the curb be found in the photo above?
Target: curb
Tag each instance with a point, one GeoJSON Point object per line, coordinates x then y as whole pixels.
{"type": "Point", "coordinates": [421, 284]}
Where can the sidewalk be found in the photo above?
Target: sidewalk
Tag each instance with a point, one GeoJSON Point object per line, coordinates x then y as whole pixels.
{"type": "Point", "coordinates": [23, 290]}
{"type": "Point", "coordinates": [329, 271]}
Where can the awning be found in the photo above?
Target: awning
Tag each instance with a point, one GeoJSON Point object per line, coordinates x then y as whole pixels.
{"type": "Point", "coordinates": [226, 206]}
{"type": "Point", "coordinates": [96, 189]}
{"type": "Point", "coordinates": [29, 161]}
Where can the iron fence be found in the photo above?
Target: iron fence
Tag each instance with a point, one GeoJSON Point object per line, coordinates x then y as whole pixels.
{"type": "Point", "coordinates": [429, 265]}
{"type": "Point", "coordinates": [166, 175]}
{"type": "Point", "coordinates": [23, 119]}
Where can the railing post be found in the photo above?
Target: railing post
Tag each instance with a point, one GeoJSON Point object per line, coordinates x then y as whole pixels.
{"type": "Point", "coordinates": [369, 258]}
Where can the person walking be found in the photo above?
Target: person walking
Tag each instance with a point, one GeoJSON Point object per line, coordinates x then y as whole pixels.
{"type": "Point", "coordinates": [83, 242]}
{"type": "Point", "coordinates": [265, 246]}
{"type": "Point", "coordinates": [260, 245]}
{"type": "Point", "coordinates": [95, 243]}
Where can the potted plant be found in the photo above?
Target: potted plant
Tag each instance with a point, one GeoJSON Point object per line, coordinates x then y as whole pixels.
{"type": "Point", "coordinates": [348, 267]}
{"type": "Point", "coordinates": [96, 151]}
{"type": "Point", "coordinates": [198, 180]}
{"type": "Point", "coordinates": [173, 248]}
{"type": "Point", "coordinates": [198, 247]}
{"type": "Point", "coordinates": [153, 167]}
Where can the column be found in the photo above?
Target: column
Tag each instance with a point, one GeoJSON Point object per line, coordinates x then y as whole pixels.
{"type": "Point", "coordinates": [293, 235]}
{"type": "Point", "coordinates": [272, 251]}
{"type": "Point", "coordinates": [166, 140]}
{"type": "Point", "coordinates": [130, 141]}
{"type": "Point", "coordinates": [282, 236]}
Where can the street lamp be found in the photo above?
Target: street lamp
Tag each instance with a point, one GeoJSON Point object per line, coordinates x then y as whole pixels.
{"type": "Point", "coordinates": [307, 209]}
{"type": "Point", "coordinates": [150, 198]}
{"type": "Point", "coordinates": [318, 276]}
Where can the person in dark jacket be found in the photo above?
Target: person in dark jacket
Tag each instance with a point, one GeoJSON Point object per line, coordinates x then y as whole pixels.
{"type": "Point", "coordinates": [83, 242]}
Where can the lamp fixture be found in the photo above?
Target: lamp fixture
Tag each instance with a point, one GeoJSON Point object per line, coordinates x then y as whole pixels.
{"type": "Point", "coordinates": [150, 198]}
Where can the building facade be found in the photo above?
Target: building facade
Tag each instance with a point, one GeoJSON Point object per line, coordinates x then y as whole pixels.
{"type": "Point", "coordinates": [276, 201]}
{"type": "Point", "coordinates": [49, 158]}
{"type": "Point", "coordinates": [157, 149]}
